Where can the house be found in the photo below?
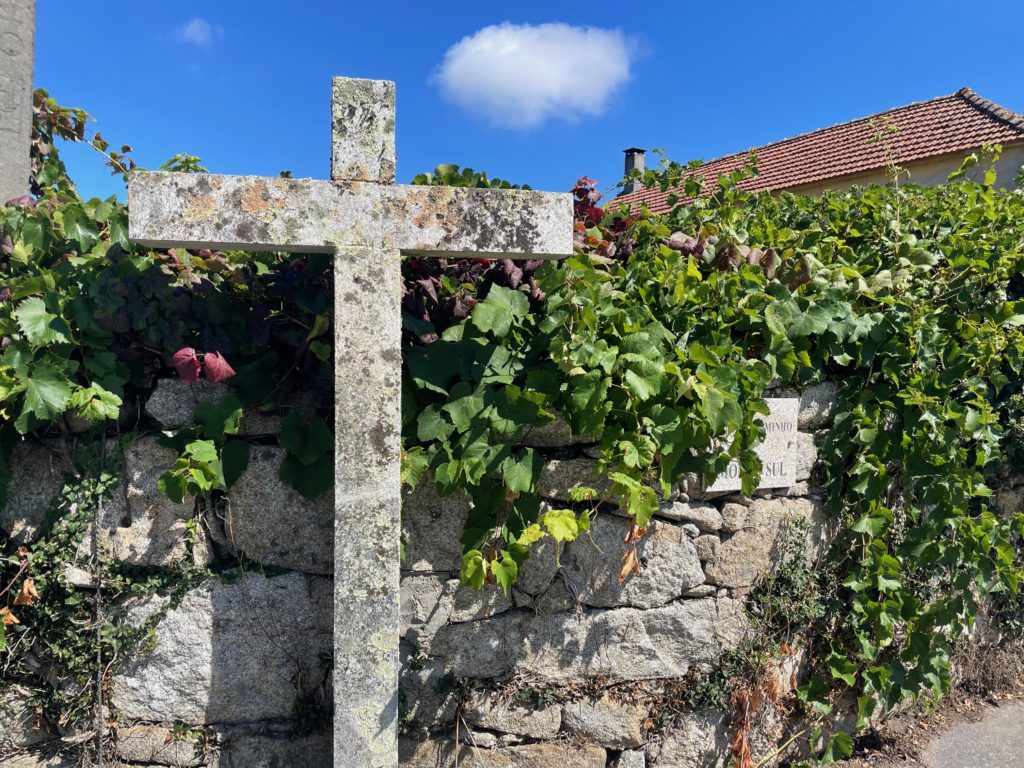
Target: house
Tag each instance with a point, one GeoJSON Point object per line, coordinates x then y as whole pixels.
{"type": "Point", "coordinates": [929, 139]}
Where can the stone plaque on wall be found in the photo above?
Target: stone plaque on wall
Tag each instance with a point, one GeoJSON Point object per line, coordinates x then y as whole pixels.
{"type": "Point", "coordinates": [778, 451]}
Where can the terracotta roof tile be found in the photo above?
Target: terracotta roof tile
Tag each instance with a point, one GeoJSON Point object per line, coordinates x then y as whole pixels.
{"type": "Point", "coordinates": [956, 123]}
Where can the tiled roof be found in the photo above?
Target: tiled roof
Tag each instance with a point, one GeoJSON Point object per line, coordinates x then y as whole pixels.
{"type": "Point", "coordinates": [956, 123]}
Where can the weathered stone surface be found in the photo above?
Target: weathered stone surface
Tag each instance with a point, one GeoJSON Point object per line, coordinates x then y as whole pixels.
{"type": "Point", "coordinates": [630, 758]}
{"type": "Point", "coordinates": [17, 41]}
{"type": "Point", "coordinates": [707, 547]}
{"type": "Point", "coordinates": [231, 652]}
{"type": "Point", "coordinates": [156, 744]}
{"type": "Point", "coordinates": [485, 710]}
{"type": "Point", "coordinates": [705, 516]}
{"type": "Point", "coordinates": [363, 130]}
{"type": "Point", "coordinates": [751, 551]}
{"type": "Point", "coordinates": [558, 597]}
{"type": "Point", "coordinates": [174, 400]}
{"type": "Point", "coordinates": [38, 760]}
{"type": "Point", "coordinates": [555, 434]}
{"type": "Point", "coordinates": [734, 516]}
{"type": "Point", "coordinates": [37, 475]}
{"type": "Point", "coordinates": [668, 564]}
{"type": "Point", "coordinates": [428, 698]}
{"type": "Point", "coordinates": [432, 526]}
{"type": "Point", "coordinates": [139, 525]}
{"type": "Point", "coordinates": [562, 475]}
{"type": "Point", "coordinates": [817, 405]}
{"type": "Point", "coordinates": [699, 740]}
{"type": "Point", "coordinates": [189, 210]}
{"type": "Point", "coordinates": [605, 722]}
{"type": "Point", "coordinates": [272, 523]}
{"type": "Point", "coordinates": [435, 753]}
{"type": "Point", "coordinates": [806, 456]}
{"type": "Point", "coordinates": [540, 567]}
{"type": "Point", "coordinates": [18, 721]}
{"type": "Point", "coordinates": [473, 605]}
{"type": "Point", "coordinates": [260, 750]}
{"type": "Point", "coordinates": [624, 644]}
{"type": "Point", "coordinates": [426, 606]}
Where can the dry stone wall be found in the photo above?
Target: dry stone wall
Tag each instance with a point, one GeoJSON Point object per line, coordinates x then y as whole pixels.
{"type": "Point", "coordinates": [241, 662]}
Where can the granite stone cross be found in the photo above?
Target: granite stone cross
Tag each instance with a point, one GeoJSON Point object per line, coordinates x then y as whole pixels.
{"type": "Point", "coordinates": [17, 33]}
{"type": "Point", "coordinates": [368, 222]}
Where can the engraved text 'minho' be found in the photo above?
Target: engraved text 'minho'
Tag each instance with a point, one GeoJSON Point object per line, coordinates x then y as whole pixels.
{"type": "Point", "coordinates": [778, 451]}
{"type": "Point", "coordinates": [367, 221]}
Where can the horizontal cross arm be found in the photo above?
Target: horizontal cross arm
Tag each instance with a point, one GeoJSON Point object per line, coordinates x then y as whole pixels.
{"type": "Point", "coordinates": [302, 215]}
{"type": "Point", "coordinates": [249, 213]}
{"type": "Point", "coordinates": [456, 222]}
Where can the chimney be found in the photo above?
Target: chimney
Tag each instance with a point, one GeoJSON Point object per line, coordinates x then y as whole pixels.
{"type": "Point", "coordinates": [634, 161]}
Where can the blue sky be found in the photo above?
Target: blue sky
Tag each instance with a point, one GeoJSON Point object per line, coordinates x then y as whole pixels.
{"type": "Point", "coordinates": [246, 85]}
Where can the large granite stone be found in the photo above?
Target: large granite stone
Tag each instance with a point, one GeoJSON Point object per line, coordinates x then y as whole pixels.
{"type": "Point", "coordinates": [432, 527]}
{"type": "Point", "coordinates": [668, 564]}
{"type": "Point", "coordinates": [698, 740]}
{"type": "Point", "coordinates": [555, 434]}
{"type": "Point", "coordinates": [230, 652]}
{"type": "Point", "coordinates": [17, 48]}
{"type": "Point", "coordinates": [430, 601]}
{"type": "Point", "coordinates": [630, 758]}
{"type": "Point", "coordinates": [272, 523]}
{"type": "Point", "coordinates": [141, 526]}
{"type": "Point", "coordinates": [37, 476]}
{"type": "Point", "coordinates": [560, 476]}
{"type": "Point", "coordinates": [157, 745]}
{"type": "Point", "coordinates": [705, 516]}
{"type": "Point", "coordinates": [436, 753]}
{"type": "Point", "coordinates": [605, 722]}
{"type": "Point", "coordinates": [254, 748]}
{"type": "Point", "coordinates": [428, 697]}
{"type": "Point", "coordinates": [621, 644]}
{"type": "Point", "coordinates": [488, 711]}
{"type": "Point", "coordinates": [19, 725]}
{"type": "Point", "coordinates": [762, 539]}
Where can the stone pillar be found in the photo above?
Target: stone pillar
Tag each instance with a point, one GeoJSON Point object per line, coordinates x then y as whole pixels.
{"type": "Point", "coordinates": [17, 38]}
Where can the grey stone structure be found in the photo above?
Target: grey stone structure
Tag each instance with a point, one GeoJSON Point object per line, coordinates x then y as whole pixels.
{"type": "Point", "coordinates": [368, 223]}
{"type": "Point", "coordinates": [17, 38]}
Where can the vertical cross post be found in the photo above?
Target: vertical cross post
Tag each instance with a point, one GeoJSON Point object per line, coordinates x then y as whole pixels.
{"type": "Point", "coordinates": [367, 221]}
{"type": "Point", "coordinates": [367, 433]}
{"type": "Point", "coordinates": [17, 36]}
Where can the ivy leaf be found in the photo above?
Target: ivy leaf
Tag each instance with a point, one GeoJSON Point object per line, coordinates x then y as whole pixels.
{"type": "Point", "coordinates": [562, 524]}
{"type": "Point", "coordinates": [39, 326]}
{"type": "Point", "coordinates": [840, 747]}
{"type": "Point", "coordinates": [186, 363]}
{"type": "Point", "coordinates": [521, 474]}
{"type": "Point", "coordinates": [310, 480]}
{"type": "Point", "coordinates": [220, 418]}
{"type": "Point", "coordinates": [496, 313]}
{"type": "Point", "coordinates": [306, 436]}
{"type": "Point", "coordinates": [505, 571]}
{"type": "Point", "coordinates": [47, 394]}
{"type": "Point", "coordinates": [473, 571]}
{"type": "Point", "coordinates": [234, 457]}
{"type": "Point", "coordinates": [96, 403]}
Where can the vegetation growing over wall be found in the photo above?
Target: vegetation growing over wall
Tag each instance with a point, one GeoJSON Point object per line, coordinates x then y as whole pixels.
{"type": "Point", "coordinates": [660, 336]}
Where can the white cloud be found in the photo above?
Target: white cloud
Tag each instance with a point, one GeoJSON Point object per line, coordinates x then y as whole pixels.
{"type": "Point", "coordinates": [197, 32]}
{"type": "Point", "coordinates": [519, 75]}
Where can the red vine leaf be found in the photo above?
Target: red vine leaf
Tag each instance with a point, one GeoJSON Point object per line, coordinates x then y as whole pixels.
{"type": "Point", "coordinates": [187, 364]}
{"type": "Point", "coordinates": [217, 368]}
{"type": "Point", "coordinates": [8, 617]}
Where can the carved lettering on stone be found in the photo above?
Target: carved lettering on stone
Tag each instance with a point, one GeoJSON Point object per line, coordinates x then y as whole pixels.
{"type": "Point", "coordinates": [778, 451]}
